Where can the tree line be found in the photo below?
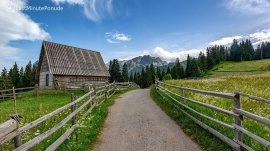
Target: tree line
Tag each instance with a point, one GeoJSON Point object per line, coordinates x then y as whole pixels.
{"type": "Point", "coordinates": [195, 67]}
{"type": "Point", "coordinates": [18, 77]}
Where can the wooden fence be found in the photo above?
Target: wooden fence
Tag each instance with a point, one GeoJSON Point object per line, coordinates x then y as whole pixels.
{"type": "Point", "coordinates": [12, 93]}
{"type": "Point", "coordinates": [237, 113]}
{"type": "Point", "coordinates": [11, 130]}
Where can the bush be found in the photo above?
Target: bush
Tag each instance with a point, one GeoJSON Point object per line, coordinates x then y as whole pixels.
{"type": "Point", "coordinates": [167, 77]}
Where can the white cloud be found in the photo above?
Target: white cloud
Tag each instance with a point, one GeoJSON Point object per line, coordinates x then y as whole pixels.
{"type": "Point", "coordinates": [116, 37]}
{"type": "Point", "coordinates": [259, 37]}
{"type": "Point", "coordinates": [255, 38]}
{"type": "Point", "coordinates": [225, 40]}
{"type": "Point", "coordinates": [170, 56]}
{"type": "Point", "coordinates": [15, 25]}
{"type": "Point", "coordinates": [249, 6]}
{"type": "Point", "coordinates": [94, 10]}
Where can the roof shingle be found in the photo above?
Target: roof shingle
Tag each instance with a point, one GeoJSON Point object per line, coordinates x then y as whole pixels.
{"type": "Point", "coordinates": [68, 60]}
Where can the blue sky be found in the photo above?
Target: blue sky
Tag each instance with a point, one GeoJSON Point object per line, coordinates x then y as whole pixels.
{"type": "Point", "coordinates": [123, 29]}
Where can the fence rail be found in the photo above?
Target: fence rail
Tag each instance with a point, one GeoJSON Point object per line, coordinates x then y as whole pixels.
{"type": "Point", "coordinates": [12, 93]}
{"type": "Point", "coordinates": [179, 101]}
{"type": "Point", "coordinates": [11, 130]}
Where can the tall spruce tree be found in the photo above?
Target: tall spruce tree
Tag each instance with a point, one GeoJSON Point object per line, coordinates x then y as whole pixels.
{"type": "Point", "coordinates": [27, 78]}
{"type": "Point", "coordinates": [5, 81]}
{"type": "Point", "coordinates": [148, 76]}
{"type": "Point", "coordinates": [202, 62]}
{"type": "Point", "coordinates": [114, 69]}
{"type": "Point", "coordinates": [21, 84]}
{"type": "Point", "coordinates": [131, 77]}
{"type": "Point", "coordinates": [153, 73]}
{"type": "Point", "coordinates": [125, 73]}
{"type": "Point", "coordinates": [188, 67]}
{"type": "Point", "coordinates": [143, 79]}
{"type": "Point", "coordinates": [15, 75]}
{"type": "Point", "coordinates": [34, 71]}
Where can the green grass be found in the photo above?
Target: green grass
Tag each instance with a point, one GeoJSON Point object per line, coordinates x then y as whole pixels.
{"type": "Point", "coordinates": [202, 137]}
{"type": "Point", "coordinates": [240, 68]}
{"type": "Point", "coordinates": [31, 108]}
{"type": "Point", "coordinates": [257, 85]}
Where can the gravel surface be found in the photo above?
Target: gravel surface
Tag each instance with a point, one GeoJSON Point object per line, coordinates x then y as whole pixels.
{"type": "Point", "coordinates": [136, 123]}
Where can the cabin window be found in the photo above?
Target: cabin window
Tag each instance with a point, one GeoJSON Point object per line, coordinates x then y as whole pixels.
{"type": "Point", "coordinates": [47, 79]}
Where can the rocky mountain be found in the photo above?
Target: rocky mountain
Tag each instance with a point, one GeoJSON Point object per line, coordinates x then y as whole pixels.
{"type": "Point", "coordinates": [136, 64]}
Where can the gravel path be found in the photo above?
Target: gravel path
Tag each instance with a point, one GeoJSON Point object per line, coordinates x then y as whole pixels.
{"type": "Point", "coordinates": [136, 123]}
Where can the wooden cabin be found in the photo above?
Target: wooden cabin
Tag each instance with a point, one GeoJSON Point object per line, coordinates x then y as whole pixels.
{"type": "Point", "coordinates": [62, 65]}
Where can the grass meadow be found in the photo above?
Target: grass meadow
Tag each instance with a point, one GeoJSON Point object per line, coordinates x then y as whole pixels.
{"type": "Point", "coordinates": [240, 68]}
{"type": "Point", "coordinates": [257, 84]}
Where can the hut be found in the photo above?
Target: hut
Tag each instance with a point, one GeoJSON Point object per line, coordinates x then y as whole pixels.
{"type": "Point", "coordinates": [62, 65]}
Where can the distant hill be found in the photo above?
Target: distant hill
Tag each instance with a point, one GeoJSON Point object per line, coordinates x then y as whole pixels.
{"type": "Point", "coordinates": [240, 68]}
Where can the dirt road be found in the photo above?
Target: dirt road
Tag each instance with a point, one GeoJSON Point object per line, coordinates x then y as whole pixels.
{"type": "Point", "coordinates": [136, 123]}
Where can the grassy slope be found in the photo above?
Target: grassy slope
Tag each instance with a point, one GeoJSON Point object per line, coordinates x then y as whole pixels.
{"type": "Point", "coordinates": [256, 82]}
{"type": "Point", "coordinates": [239, 68]}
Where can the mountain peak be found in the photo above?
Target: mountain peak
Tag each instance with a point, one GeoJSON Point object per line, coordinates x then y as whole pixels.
{"type": "Point", "coordinates": [136, 64]}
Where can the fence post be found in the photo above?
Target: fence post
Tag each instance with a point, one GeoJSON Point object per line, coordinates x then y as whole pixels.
{"type": "Point", "coordinates": [17, 139]}
{"type": "Point", "coordinates": [106, 92]}
{"type": "Point", "coordinates": [73, 108]}
{"type": "Point", "coordinates": [14, 97]}
{"type": "Point", "coordinates": [90, 96]}
{"type": "Point", "coordinates": [94, 100]}
{"type": "Point", "coordinates": [36, 90]}
{"type": "Point", "coordinates": [182, 93]}
{"type": "Point", "coordinates": [237, 119]}
{"type": "Point", "coordinates": [157, 85]}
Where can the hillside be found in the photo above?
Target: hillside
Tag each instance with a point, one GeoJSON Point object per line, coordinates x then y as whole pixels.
{"type": "Point", "coordinates": [240, 68]}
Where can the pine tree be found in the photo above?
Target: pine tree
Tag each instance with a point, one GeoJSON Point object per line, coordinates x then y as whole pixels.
{"type": "Point", "coordinates": [163, 73]}
{"type": "Point", "coordinates": [195, 70]}
{"type": "Point", "coordinates": [114, 69]}
{"type": "Point", "coordinates": [177, 69]}
{"type": "Point", "coordinates": [131, 77]}
{"type": "Point", "coordinates": [21, 84]}
{"type": "Point", "coordinates": [188, 67]}
{"type": "Point", "coordinates": [153, 73]}
{"type": "Point", "coordinates": [5, 81]}
{"type": "Point", "coordinates": [125, 73]}
{"type": "Point", "coordinates": [148, 76]}
{"type": "Point", "coordinates": [14, 75]}
{"type": "Point", "coordinates": [158, 73]}
{"type": "Point", "coordinates": [174, 72]}
{"type": "Point", "coordinates": [27, 78]}
{"type": "Point", "coordinates": [168, 70]}
{"type": "Point", "coordinates": [202, 62]}
{"type": "Point", "coordinates": [143, 79]}
{"type": "Point", "coordinates": [235, 51]}
{"type": "Point", "coordinates": [34, 71]}
{"type": "Point", "coordinates": [135, 78]}
{"type": "Point", "coordinates": [210, 58]}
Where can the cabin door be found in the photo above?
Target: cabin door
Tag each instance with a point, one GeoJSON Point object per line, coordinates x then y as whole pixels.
{"type": "Point", "coordinates": [47, 79]}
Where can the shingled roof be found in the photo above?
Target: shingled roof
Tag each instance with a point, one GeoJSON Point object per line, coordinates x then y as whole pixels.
{"type": "Point", "coordinates": [68, 60]}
